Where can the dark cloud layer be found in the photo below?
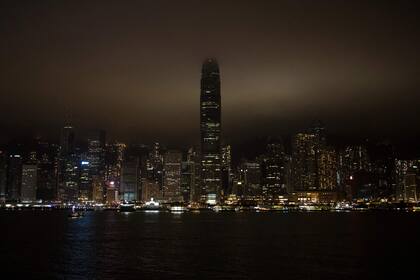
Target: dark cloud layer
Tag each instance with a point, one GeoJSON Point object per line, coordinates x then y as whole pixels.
{"type": "Point", "coordinates": [133, 67]}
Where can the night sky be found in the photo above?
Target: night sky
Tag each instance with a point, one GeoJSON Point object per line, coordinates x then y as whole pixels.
{"type": "Point", "coordinates": [133, 67]}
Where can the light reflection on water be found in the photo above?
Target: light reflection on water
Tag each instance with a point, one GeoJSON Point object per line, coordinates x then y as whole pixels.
{"type": "Point", "coordinates": [150, 245]}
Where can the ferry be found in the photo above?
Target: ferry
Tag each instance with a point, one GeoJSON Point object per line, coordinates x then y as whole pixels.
{"type": "Point", "coordinates": [151, 205]}
{"type": "Point", "coordinates": [127, 207]}
{"type": "Point", "coordinates": [177, 209]}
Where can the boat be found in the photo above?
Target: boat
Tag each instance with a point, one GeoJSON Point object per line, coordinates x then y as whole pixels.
{"type": "Point", "coordinates": [177, 207]}
{"type": "Point", "coordinates": [262, 208]}
{"type": "Point", "coordinates": [151, 205]}
{"type": "Point", "coordinates": [127, 207]}
{"type": "Point", "coordinates": [217, 208]}
{"type": "Point", "coordinates": [75, 214]}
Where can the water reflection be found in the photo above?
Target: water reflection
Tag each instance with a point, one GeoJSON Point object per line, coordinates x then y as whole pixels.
{"type": "Point", "coordinates": [147, 245]}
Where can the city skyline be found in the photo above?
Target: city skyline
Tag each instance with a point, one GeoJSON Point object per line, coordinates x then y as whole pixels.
{"type": "Point", "coordinates": [358, 76]}
{"type": "Point", "coordinates": [222, 139]}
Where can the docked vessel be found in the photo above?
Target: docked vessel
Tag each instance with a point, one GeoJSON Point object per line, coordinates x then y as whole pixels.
{"type": "Point", "coordinates": [151, 205]}
{"type": "Point", "coordinates": [127, 207]}
{"type": "Point", "coordinates": [177, 207]}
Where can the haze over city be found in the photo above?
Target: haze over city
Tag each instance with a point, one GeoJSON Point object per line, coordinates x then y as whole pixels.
{"type": "Point", "coordinates": [133, 68]}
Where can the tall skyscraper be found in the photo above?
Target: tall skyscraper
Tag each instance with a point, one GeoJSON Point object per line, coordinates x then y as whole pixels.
{"type": "Point", "coordinates": [68, 176]}
{"type": "Point", "coordinates": [210, 130]}
{"type": "Point", "coordinates": [67, 140]}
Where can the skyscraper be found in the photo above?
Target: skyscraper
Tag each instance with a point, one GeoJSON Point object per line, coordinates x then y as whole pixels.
{"type": "Point", "coordinates": [29, 182]}
{"type": "Point", "coordinates": [172, 176]}
{"type": "Point", "coordinates": [273, 171]}
{"type": "Point", "coordinates": [68, 171]}
{"type": "Point", "coordinates": [48, 165]}
{"type": "Point", "coordinates": [130, 179]}
{"type": "Point", "coordinates": [210, 131]}
{"type": "Point", "coordinates": [67, 140]}
{"type": "Point", "coordinates": [96, 153]}
{"type": "Point", "coordinates": [14, 177]}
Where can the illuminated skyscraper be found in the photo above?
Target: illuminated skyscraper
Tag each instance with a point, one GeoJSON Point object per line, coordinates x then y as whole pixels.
{"type": "Point", "coordinates": [307, 147]}
{"type": "Point", "coordinates": [327, 169]}
{"type": "Point", "coordinates": [68, 171]}
{"type": "Point", "coordinates": [227, 174]}
{"type": "Point", "coordinates": [210, 130]}
{"type": "Point", "coordinates": [85, 182]}
{"type": "Point", "coordinates": [113, 162]}
{"type": "Point", "coordinates": [96, 153]}
{"type": "Point", "coordinates": [273, 171]}
{"type": "Point", "coordinates": [172, 176]}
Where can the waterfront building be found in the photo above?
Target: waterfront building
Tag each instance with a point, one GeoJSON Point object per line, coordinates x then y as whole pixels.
{"type": "Point", "coordinates": [273, 171]}
{"type": "Point", "coordinates": [188, 176]}
{"type": "Point", "coordinates": [251, 177]}
{"type": "Point", "coordinates": [14, 177]}
{"type": "Point", "coordinates": [314, 164]}
{"type": "Point", "coordinates": [68, 167]}
{"type": "Point", "coordinates": [130, 179]}
{"type": "Point", "coordinates": [113, 163]}
{"type": "Point", "coordinates": [304, 161]}
{"type": "Point", "coordinates": [210, 131]}
{"type": "Point", "coordinates": [327, 169]}
{"type": "Point", "coordinates": [29, 182]}
{"type": "Point", "coordinates": [194, 162]}
{"type": "Point", "coordinates": [97, 189]}
{"type": "Point", "coordinates": [48, 164]}
{"type": "Point", "coordinates": [172, 176]}
{"type": "Point", "coordinates": [68, 190]}
{"type": "Point", "coordinates": [85, 189]}
{"type": "Point", "coordinates": [407, 173]}
{"type": "Point", "coordinates": [226, 169]}
{"type": "Point", "coordinates": [111, 193]}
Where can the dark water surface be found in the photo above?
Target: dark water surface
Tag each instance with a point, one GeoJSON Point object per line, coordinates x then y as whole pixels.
{"type": "Point", "coordinates": [112, 245]}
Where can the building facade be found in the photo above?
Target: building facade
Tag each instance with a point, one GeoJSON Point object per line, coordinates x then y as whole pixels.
{"type": "Point", "coordinates": [210, 131]}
